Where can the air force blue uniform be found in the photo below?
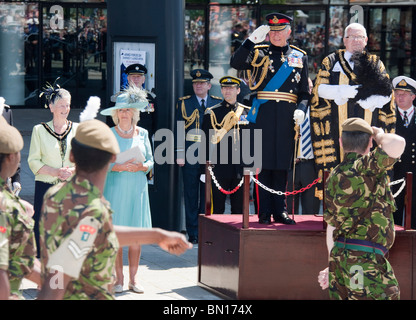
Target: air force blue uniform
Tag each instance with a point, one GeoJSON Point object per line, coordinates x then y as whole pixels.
{"type": "Point", "coordinates": [194, 192]}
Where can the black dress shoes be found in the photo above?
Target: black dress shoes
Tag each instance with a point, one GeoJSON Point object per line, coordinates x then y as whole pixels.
{"type": "Point", "coordinates": [264, 221]}
{"type": "Point", "coordinates": [283, 218]}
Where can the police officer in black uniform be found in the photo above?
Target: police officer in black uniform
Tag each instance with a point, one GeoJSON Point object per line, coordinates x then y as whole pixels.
{"type": "Point", "coordinates": [189, 116]}
{"type": "Point", "coordinates": [278, 72]}
{"type": "Point", "coordinates": [404, 95]}
{"type": "Point", "coordinates": [136, 74]}
{"type": "Point", "coordinates": [223, 124]}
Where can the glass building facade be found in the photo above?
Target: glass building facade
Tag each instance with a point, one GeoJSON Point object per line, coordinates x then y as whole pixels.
{"type": "Point", "coordinates": [43, 40]}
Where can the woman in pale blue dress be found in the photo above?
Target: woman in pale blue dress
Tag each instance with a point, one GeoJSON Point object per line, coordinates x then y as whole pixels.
{"type": "Point", "coordinates": [126, 186]}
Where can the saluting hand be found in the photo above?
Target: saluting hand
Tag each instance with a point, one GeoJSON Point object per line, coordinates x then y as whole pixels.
{"type": "Point", "coordinates": [259, 35]}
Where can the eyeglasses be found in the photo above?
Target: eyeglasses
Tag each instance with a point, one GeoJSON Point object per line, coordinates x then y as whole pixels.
{"type": "Point", "coordinates": [356, 37]}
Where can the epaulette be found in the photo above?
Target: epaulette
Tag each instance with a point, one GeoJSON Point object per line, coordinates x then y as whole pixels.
{"type": "Point", "coordinates": [296, 48]}
{"type": "Point", "coordinates": [184, 98]}
{"type": "Point", "coordinates": [208, 110]}
{"type": "Point", "coordinates": [151, 94]}
{"type": "Point", "coordinates": [215, 97]}
{"type": "Point", "coordinates": [261, 46]}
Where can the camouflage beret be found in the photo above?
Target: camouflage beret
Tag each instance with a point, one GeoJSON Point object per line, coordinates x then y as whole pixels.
{"type": "Point", "coordinates": [96, 134]}
{"type": "Point", "coordinates": [356, 124]}
{"type": "Point", "coordinates": [11, 140]}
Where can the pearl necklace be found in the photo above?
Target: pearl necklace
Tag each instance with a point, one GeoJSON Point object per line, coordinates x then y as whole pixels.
{"type": "Point", "coordinates": [124, 131]}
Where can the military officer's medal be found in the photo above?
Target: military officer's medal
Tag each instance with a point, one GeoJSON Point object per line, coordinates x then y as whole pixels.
{"type": "Point", "coordinates": [295, 60]}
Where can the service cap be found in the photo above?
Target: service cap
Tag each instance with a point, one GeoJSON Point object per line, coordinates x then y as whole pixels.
{"type": "Point", "coordinates": [356, 124]}
{"type": "Point", "coordinates": [404, 83]}
{"type": "Point", "coordinates": [278, 21]}
{"type": "Point", "coordinates": [229, 81]}
{"type": "Point", "coordinates": [201, 75]}
{"type": "Point", "coordinates": [96, 134]}
{"type": "Point", "coordinates": [11, 140]}
{"type": "Point", "coordinates": [136, 68]}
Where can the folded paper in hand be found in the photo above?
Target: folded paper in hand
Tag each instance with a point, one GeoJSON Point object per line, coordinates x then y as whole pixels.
{"type": "Point", "coordinates": [133, 153]}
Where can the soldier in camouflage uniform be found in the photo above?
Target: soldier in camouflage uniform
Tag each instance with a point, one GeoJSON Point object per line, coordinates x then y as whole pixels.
{"type": "Point", "coordinates": [21, 241]}
{"type": "Point", "coordinates": [79, 242]}
{"type": "Point", "coordinates": [359, 208]}
{"type": "Point", "coordinates": [4, 252]}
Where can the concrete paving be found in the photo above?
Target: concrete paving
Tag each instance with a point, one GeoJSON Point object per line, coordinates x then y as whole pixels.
{"type": "Point", "coordinates": [163, 276]}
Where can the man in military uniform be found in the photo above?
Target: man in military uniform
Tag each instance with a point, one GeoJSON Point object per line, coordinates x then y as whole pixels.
{"type": "Point", "coordinates": [359, 215]}
{"type": "Point", "coordinates": [223, 124]}
{"type": "Point", "coordinates": [136, 75]}
{"type": "Point", "coordinates": [79, 242]}
{"type": "Point", "coordinates": [21, 242]}
{"type": "Point", "coordinates": [332, 106]}
{"type": "Point", "coordinates": [191, 109]}
{"type": "Point", "coordinates": [404, 95]}
{"type": "Point", "coordinates": [4, 252]}
{"type": "Point", "coordinates": [278, 72]}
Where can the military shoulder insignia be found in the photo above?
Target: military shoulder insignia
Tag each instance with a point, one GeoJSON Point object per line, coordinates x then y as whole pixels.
{"type": "Point", "coordinates": [151, 94]}
{"type": "Point", "coordinates": [215, 97]}
{"type": "Point", "coordinates": [211, 109]}
{"type": "Point", "coordinates": [184, 98]}
{"type": "Point", "coordinates": [72, 252]}
{"type": "Point", "coordinates": [207, 111]}
{"type": "Point", "coordinates": [296, 48]}
{"type": "Point", "coordinates": [261, 46]}
{"type": "Point", "coordinates": [215, 106]}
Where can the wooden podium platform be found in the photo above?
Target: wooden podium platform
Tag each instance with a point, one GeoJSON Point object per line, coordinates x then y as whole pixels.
{"type": "Point", "coordinates": [279, 261]}
{"type": "Point", "coordinates": [239, 258]}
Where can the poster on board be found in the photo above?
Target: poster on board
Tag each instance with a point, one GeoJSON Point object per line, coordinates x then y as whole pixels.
{"type": "Point", "coordinates": [126, 53]}
{"type": "Point", "coordinates": [127, 58]}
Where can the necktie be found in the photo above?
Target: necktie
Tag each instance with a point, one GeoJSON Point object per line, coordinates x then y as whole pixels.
{"type": "Point", "coordinates": [306, 138]}
{"type": "Point", "coordinates": [406, 120]}
{"type": "Point", "coordinates": [203, 103]}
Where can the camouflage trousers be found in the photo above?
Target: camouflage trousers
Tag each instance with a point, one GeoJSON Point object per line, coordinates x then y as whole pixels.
{"type": "Point", "coordinates": [358, 275]}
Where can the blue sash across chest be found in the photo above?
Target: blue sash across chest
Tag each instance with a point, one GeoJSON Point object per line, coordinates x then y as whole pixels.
{"type": "Point", "coordinates": [274, 84]}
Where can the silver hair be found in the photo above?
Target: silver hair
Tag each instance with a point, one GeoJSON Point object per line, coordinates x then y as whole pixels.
{"type": "Point", "coordinates": [355, 26]}
{"type": "Point", "coordinates": [62, 94]}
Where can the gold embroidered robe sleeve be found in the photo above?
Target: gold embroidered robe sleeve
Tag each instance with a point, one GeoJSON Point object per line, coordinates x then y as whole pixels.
{"type": "Point", "coordinates": [327, 116]}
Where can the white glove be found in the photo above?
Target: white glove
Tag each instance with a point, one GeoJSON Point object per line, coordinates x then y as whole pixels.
{"type": "Point", "coordinates": [298, 116]}
{"type": "Point", "coordinates": [259, 35]}
{"type": "Point", "coordinates": [339, 93]}
{"type": "Point", "coordinates": [16, 188]}
{"type": "Point", "coordinates": [202, 178]}
{"type": "Point", "coordinates": [373, 102]}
